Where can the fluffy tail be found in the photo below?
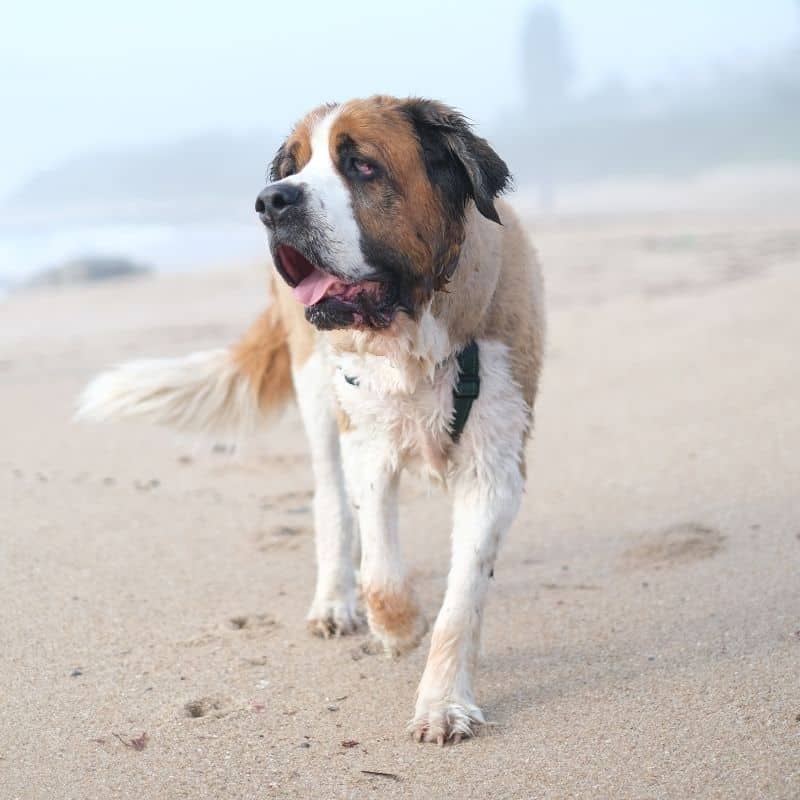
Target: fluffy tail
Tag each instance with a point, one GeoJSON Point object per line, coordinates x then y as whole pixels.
{"type": "Point", "coordinates": [224, 391]}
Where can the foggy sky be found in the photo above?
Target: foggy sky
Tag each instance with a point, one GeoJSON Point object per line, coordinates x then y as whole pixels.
{"type": "Point", "coordinates": [84, 76]}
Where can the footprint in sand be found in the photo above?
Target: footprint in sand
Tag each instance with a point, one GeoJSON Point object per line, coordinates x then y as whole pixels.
{"type": "Point", "coordinates": [252, 622]}
{"type": "Point", "coordinates": [201, 640]}
{"type": "Point", "coordinates": [252, 625]}
{"type": "Point", "coordinates": [289, 502]}
{"type": "Point", "coordinates": [285, 537]}
{"type": "Point", "coordinates": [211, 707]}
{"type": "Point", "coordinates": [678, 544]}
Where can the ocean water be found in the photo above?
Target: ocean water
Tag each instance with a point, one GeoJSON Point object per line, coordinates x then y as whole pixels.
{"type": "Point", "coordinates": [173, 247]}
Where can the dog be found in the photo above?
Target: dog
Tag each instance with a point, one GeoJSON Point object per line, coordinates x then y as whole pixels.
{"type": "Point", "coordinates": [407, 320]}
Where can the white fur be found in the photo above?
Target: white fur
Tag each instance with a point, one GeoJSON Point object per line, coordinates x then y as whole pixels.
{"type": "Point", "coordinates": [202, 392]}
{"type": "Point", "coordinates": [395, 426]}
{"type": "Point", "coordinates": [400, 419]}
{"type": "Point", "coordinates": [487, 484]}
{"type": "Point", "coordinates": [434, 343]}
{"type": "Point", "coordinates": [400, 405]}
{"type": "Point", "coordinates": [330, 206]}
{"type": "Point", "coordinates": [334, 608]}
{"type": "Point", "coordinates": [396, 409]}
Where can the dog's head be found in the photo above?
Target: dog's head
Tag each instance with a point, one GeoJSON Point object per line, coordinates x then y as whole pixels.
{"type": "Point", "coordinates": [366, 207]}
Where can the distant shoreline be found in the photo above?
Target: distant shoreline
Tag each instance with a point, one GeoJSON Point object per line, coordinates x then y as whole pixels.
{"type": "Point", "coordinates": [183, 246]}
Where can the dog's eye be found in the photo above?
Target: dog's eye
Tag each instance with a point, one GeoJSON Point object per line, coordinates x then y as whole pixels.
{"type": "Point", "coordinates": [361, 168]}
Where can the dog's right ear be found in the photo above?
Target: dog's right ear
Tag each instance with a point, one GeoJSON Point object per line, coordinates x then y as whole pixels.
{"type": "Point", "coordinates": [282, 165]}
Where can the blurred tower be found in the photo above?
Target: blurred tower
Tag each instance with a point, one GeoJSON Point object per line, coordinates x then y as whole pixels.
{"type": "Point", "coordinates": [547, 73]}
{"type": "Point", "coordinates": [547, 68]}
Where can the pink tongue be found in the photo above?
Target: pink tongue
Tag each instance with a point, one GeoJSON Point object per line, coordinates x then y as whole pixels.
{"type": "Point", "coordinates": [313, 287]}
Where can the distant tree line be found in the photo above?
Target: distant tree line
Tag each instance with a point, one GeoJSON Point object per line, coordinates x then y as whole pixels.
{"type": "Point", "coordinates": [748, 113]}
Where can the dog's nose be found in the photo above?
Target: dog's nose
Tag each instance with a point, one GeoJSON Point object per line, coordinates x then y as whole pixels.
{"type": "Point", "coordinates": [277, 198]}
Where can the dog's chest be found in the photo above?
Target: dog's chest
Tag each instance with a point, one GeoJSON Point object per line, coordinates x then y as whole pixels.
{"type": "Point", "coordinates": [396, 404]}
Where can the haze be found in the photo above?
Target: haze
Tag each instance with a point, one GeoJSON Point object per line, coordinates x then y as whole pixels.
{"type": "Point", "coordinates": [143, 132]}
{"type": "Point", "coordinates": [81, 77]}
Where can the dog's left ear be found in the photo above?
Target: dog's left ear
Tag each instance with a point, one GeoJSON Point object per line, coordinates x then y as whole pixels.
{"type": "Point", "coordinates": [282, 165]}
{"type": "Point", "coordinates": [462, 164]}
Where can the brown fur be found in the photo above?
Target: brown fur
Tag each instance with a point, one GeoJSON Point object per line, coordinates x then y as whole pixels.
{"type": "Point", "coordinates": [343, 420]}
{"type": "Point", "coordinates": [262, 356]}
{"type": "Point", "coordinates": [409, 218]}
{"type": "Point", "coordinates": [496, 293]}
{"type": "Point", "coordinates": [394, 613]}
{"type": "Point", "coordinates": [295, 152]}
{"type": "Point", "coordinates": [493, 293]}
{"type": "Point", "coordinates": [413, 229]}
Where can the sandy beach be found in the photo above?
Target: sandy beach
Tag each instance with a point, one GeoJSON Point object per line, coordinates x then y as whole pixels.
{"type": "Point", "coordinates": [642, 636]}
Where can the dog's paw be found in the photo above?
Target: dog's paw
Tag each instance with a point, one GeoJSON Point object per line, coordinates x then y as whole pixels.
{"type": "Point", "coordinates": [445, 721]}
{"type": "Point", "coordinates": [334, 619]}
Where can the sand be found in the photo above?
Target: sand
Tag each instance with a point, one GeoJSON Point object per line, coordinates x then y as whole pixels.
{"type": "Point", "coordinates": [642, 636]}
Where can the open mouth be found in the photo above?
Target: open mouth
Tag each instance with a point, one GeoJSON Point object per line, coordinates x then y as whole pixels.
{"type": "Point", "coordinates": [311, 285]}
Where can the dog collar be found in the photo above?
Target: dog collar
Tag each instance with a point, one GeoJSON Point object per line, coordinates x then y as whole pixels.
{"type": "Point", "coordinates": [467, 388]}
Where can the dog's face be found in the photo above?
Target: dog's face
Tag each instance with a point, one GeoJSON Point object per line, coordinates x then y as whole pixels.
{"type": "Point", "coordinates": [365, 213]}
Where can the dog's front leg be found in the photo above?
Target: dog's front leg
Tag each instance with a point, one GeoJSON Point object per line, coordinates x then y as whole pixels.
{"type": "Point", "coordinates": [372, 477]}
{"type": "Point", "coordinates": [483, 509]}
{"type": "Point", "coordinates": [334, 608]}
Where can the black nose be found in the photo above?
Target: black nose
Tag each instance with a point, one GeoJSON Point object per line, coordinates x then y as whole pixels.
{"type": "Point", "coordinates": [277, 198]}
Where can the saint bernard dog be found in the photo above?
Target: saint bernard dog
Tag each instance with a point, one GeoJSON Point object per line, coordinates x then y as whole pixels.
{"type": "Point", "coordinates": [393, 257]}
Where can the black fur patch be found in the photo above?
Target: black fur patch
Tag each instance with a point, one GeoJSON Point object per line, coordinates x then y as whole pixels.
{"type": "Point", "coordinates": [393, 267]}
{"type": "Point", "coordinates": [362, 312]}
{"type": "Point", "coordinates": [461, 164]}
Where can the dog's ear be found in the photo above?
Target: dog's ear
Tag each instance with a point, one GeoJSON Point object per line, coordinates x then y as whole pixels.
{"type": "Point", "coordinates": [282, 165]}
{"type": "Point", "coordinates": [460, 163]}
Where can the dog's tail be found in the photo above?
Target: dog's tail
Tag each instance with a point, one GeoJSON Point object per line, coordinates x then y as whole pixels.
{"type": "Point", "coordinates": [228, 391]}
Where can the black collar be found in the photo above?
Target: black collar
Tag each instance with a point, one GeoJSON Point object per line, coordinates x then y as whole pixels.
{"type": "Point", "coordinates": [467, 388]}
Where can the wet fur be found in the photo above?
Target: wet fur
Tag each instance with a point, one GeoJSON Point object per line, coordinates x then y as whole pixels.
{"type": "Point", "coordinates": [375, 384]}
